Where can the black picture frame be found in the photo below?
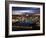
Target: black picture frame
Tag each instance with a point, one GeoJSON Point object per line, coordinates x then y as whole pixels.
{"type": "Point", "coordinates": [7, 13]}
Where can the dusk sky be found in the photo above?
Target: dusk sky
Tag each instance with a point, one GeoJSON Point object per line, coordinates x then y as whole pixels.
{"type": "Point", "coordinates": [20, 10]}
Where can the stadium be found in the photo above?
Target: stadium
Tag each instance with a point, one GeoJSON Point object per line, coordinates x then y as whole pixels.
{"type": "Point", "coordinates": [25, 18]}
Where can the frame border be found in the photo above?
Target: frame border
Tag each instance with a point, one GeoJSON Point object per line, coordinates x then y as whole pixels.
{"type": "Point", "coordinates": [7, 13]}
